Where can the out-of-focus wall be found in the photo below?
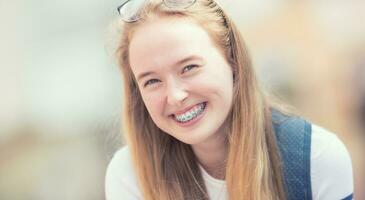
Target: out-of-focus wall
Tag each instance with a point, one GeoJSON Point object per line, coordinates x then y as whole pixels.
{"type": "Point", "coordinates": [312, 53]}
{"type": "Point", "coordinates": [61, 94]}
{"type": "Point", "coordinates": [60, 99]}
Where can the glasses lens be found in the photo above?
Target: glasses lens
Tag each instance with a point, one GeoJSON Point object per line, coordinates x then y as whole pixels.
{"type": "Point", "coordinates": [179, 4]}
{"type": "Point", "coordinates": [131, 10]}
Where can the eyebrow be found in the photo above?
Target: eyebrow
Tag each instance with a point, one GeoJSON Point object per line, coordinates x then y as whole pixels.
{"type": "Point", "coordinates": [180, 62]}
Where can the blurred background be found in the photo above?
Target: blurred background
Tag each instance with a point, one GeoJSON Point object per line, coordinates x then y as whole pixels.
{"type": "Point", "coordinates": [61, 91]}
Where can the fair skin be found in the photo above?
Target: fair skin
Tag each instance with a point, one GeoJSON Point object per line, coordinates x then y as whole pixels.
{"type": "Point", "coordinates": [179, 69]}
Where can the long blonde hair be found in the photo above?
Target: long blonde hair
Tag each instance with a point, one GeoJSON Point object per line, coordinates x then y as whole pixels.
{"type": "Point", "coordinates": [167, 168]}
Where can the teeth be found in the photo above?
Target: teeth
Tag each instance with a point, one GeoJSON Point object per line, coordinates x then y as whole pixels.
{"type": "Point", "coordinates": [190, 114]}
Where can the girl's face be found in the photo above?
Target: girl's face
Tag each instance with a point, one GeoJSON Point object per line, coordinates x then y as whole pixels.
{"type": "Point", "coordinates": [185, 81]}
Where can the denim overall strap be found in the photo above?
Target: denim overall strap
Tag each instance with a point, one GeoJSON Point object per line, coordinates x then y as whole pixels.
{"type": "Point", "coordinates": [293, 136]}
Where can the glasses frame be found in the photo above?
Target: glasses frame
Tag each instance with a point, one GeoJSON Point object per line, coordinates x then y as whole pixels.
{"type": "Point", "coordinates": [165, 2]}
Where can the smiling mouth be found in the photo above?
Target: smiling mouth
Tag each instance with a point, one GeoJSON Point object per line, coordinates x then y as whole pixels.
{"type": "Point", "coordinates": [193, 113]}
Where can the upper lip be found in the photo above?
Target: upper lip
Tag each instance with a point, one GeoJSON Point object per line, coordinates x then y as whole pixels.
{"type": "Point", "coordinates": [185, 109]}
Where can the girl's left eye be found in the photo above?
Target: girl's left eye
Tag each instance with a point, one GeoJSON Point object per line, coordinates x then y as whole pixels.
{"type": "Point", "coordinates": [188, 68]}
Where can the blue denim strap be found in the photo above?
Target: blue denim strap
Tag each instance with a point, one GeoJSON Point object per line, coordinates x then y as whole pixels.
{"type": "Point", "coordinates": [293, 136]}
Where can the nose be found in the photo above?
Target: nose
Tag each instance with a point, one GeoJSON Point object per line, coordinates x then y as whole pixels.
{"type": "Point", "coordinates": [175, 94]}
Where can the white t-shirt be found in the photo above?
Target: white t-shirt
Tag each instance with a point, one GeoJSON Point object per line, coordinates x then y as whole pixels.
{"type": "Point", "coordinates": [331, 172]}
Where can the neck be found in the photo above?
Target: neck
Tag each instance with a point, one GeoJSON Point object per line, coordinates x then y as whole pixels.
{"type": "Point", "coordinates": [212, 155]}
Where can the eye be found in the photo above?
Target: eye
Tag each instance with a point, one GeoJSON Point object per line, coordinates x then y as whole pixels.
{"type": "Point", "coordinates": [189, 67]}
{"type": "Point", "coordinates": [151, 81]}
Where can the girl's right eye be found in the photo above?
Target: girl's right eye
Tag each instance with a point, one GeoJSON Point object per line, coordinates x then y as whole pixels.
{"type": "Point", "coordinates": [151, 81]}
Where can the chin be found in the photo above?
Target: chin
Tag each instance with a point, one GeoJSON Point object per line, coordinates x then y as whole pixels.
{"type": "Point", "coordinates": [195, 138]}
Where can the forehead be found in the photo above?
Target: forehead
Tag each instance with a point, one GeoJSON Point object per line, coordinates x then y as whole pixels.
{"type": "Point", "coordinates": [164, 41]}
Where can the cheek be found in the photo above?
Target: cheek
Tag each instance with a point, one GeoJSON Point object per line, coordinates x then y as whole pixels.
{"type": "Point", "coordinates": [218, 81]}
{"type": "Point", "coordinates": [154, 105]}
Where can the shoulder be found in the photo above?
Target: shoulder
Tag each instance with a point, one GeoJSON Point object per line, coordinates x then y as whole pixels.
{"type": "Point", "coordinates": [120, 179]}
{"type": "Point", "coordinates": [331, 166]}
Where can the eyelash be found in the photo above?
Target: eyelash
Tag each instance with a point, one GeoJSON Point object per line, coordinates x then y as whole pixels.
{"type": "Point", "coordinates": [189, 67]}
{"type": "Point", "coordinates": [186, 67]}
{"type": "Point", "coordinates": [149, 82]}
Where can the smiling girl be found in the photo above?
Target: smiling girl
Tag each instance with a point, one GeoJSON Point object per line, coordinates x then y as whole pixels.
{"type": "Point", "coordinates": [197, 124]}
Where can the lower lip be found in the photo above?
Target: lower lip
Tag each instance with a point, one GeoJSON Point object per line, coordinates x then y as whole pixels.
{"type": "Point", "coordinates": [193, 121]}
